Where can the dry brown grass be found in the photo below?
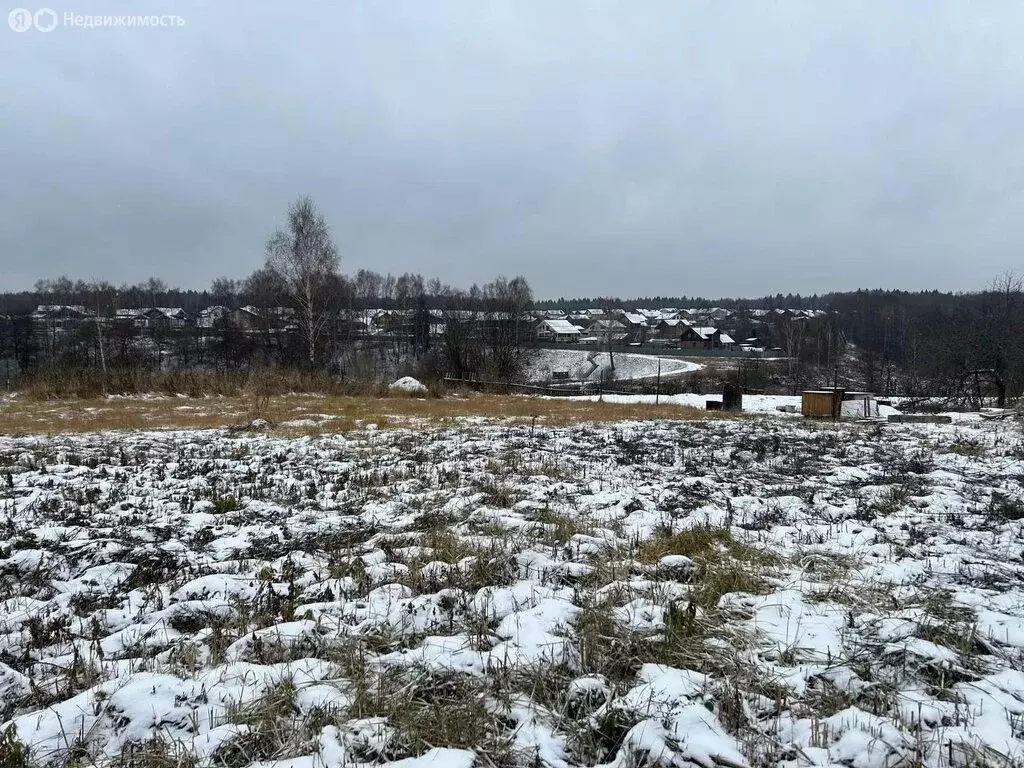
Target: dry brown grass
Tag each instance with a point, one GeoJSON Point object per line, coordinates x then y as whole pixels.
{"type": "Point", "coordinates": [85, 384]}
{"type": "Point", "coordinates": [331, 414]}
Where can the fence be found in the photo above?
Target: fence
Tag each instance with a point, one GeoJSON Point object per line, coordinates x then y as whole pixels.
{"type": "Point", "coordinates": [573, 389]}
{"type": "Point", "coordinates": [653, 350]}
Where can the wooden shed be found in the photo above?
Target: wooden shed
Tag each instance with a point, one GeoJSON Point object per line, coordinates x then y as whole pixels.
{"type": "Point", "coordinates": [838, 404]}
{"type": "Point", "coordinates": [822, 403]}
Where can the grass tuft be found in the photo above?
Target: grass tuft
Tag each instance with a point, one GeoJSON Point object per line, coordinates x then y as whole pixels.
{"type": "Point", "coordinates": [722, 563]}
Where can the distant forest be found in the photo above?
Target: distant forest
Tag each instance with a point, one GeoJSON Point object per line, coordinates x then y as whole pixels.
{"type": "Point", "coordinates": [780, 301]}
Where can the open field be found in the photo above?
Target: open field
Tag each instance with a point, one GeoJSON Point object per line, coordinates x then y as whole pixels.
{"type": "Point", "coordinates": [588, 589]}
{"type": "Point", "coordinates": [312, 414]}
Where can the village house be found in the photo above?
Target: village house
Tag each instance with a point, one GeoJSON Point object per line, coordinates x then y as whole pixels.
{"type": "Point", "coordinates": [153, 318]}
{"type": "Point", "coordinates": [212, 317]}
{"type": "Point", "coordinates": [607, 331]}
{"type": "Point", "coordinates": [176, 317]}
{"type": "Point", "coordinates": [60, 316]}
{"type": "Point", "coordinates": [704, 337]}
{"type": "Point", "coordinates": [559, 331]}
{"type": "Point", "coordinates": [635, 325]}
{"type": "Point", "coordinates": [668, 328]}
{"type": "Point", "coordinates": [245, 319]}
{"type": "Point", "coordinates": [581, 319]}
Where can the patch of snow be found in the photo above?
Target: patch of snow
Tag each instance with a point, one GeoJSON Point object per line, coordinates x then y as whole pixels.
{"type": "Point", "coordinates": [408, 384]}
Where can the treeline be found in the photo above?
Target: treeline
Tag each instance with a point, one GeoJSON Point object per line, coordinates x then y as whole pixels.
{"type": "Point", "coordinates": [778, 301]}
{"type": "Point", "coordinates": [963, 346]}
{"type": "Point", "coordinates": [296, 310]}
{"type": "Point", "coordinates": [370, 328]}
{"type": "Point", "coordinates": [366, 289]}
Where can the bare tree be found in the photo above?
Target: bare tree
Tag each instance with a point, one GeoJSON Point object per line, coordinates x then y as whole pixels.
{"type": "Point", "coordinates": [304, 256]}
{"type": "Point", "coordinates": [263, 288]}
{"type": "Point", "coordinates": [459, 351]}
{"type": "Point", "coordinates": [224, 291]}
{"type": "Point", "coordinates": [63, 288]}
{"type": "Point", "coordinates": [520, 304]}
{"type": "Point", "coordinates": [506, 304]}
{"type": "Point", "coordinates": [155, 289]}
{"type": "Point", "coordinates": [1004, 326]}
{"type": "Point", "coordinates": [367, 293]}
{"type": "Point", "coordinates": [102, 294]}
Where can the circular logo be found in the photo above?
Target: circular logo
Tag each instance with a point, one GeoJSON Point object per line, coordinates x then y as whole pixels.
{"type": "Point", "coordinates": [20, 20]}
{"type": "Point", "coordinates": [45, 20]}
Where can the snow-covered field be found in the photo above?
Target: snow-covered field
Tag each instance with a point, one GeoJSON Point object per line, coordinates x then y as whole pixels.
{"type": "Point", "coordinates": [699, 593]}
{"type": "Point", "coordinates": [590, 365]}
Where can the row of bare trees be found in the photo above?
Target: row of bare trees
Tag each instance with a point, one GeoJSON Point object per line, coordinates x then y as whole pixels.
{"type": "Point", "coordinates": [309, 315]}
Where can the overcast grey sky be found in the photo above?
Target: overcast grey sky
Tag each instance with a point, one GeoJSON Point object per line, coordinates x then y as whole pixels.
{"type": "Point", "coordinates": [600, 148]}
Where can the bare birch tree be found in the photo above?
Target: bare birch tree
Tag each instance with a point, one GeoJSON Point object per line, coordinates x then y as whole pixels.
{"type": "Point", "coordinates": [304, 256]}
{"type": "Point", "coordinates": [1004, 324]}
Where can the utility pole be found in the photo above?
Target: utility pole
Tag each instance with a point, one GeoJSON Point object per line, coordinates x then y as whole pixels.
{"type": "Point", "coordinates": [837, 353]}
{"type": "Point", "coordinates": [657, 385]}
{"type": "Point", "coordinates": [99, 338]}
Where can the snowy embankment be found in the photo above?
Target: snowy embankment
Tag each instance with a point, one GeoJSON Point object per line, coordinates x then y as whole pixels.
{"type": "Point", "coordinates": [590, 365]}
{"type": "Point", "coordinates": [700, 593]}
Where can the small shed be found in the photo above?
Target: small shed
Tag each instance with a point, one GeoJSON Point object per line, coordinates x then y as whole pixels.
{"type": "Point", "coordinates": [838, 404]}
{"type": "Point", "coordinates": [822, 403]}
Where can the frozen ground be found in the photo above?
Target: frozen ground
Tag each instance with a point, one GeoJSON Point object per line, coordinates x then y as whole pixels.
{"type": "Point", "coordinates": [698, 593]}
{"type": "Point", "coordinates": [590, 365]}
